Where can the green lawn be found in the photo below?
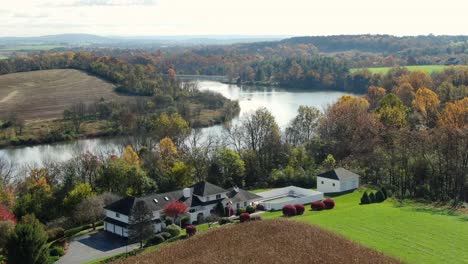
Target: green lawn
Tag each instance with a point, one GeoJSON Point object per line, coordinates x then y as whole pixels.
{"type": "Point", "coordinates": [411, 233]}
{"type": "Point", "coordinates": [426, 68]}
{"type": "Point", "coordinates": [3, 57]}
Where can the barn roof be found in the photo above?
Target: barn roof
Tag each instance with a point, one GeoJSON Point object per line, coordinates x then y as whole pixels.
{"type": "Point", "coordinates": [339, 174]}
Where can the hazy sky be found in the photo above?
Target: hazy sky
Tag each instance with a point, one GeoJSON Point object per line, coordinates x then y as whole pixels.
{"type": "Point", "coordinates": [233, 17]}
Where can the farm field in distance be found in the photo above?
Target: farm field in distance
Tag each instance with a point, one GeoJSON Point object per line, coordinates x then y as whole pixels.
{"type": "Point", "coordinates": [412, 233]}
{"type": "Point", "coordinates": [46, 94]}
{"type": "Point", "coordinates": [426, 68]}
{"type": "Point", "coordinates": [29, 47]}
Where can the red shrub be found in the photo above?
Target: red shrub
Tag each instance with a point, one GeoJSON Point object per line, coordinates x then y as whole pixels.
{"type": "Point", "coordinates": [317, 206]}
{"type": "Point", "coordinates": [191, 230]}
{"type": "Point", "coordinates": [6, 215]}
{"type": "Point", "coordinates": [329, 203]}
{"type": "Point", "coordinates": [244, 217]}
{"type": "Point", "coordinates": [299, 209]}
{"type": "Point", "coordinates": [289, 210]}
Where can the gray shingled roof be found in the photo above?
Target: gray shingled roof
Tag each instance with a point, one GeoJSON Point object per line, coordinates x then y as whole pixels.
{"type": "Point", "coordinates": [339, 174]}
{"type": "Point", "coordinates": [205, 188]}
{"type": "Point", "coordinates": [125, 205]}
{"type": "Point", "coordinates": [241, 195]}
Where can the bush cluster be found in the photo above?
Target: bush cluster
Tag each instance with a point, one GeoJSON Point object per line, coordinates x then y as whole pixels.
{"type": "Point", "coordinates": [317, 206]}
{"type": "Point", "coordinates": [191, 230]}
{"type": "Point", "coordinates": [165, 235]}
{"type": "Point", "coordinates": [224, 220]}
{"type": "Point", "coordinates": [185, 221]}
{"type": "Point", "coordinates": [244, 217]}
{"type": "Point", "coordinates": [377, 197]}
{"type": "Point", "coordinates": [157, 239]}
{"type": "Point", "coordinates": [250, 209]}
{"type": "Point", "coordinates": [174, 230]}
{"type": "Point", "coordinates": [55, 233]}
{"type": "Point", "coordinates": [56, 251]}
{"type": "Point", "coordinates": [260, 207]}
{"type": "Point", "coordinates": [299, 209]}
{"type": "Point", "coordinates": [289, 210]}
{"type": "Point", "coordinates": [239, 211]}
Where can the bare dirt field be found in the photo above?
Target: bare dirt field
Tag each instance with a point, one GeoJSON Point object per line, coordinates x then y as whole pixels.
{"type": "Point", "coordinates": [46, 94]}
{"type": "Point", "coordinates": [270, 241]}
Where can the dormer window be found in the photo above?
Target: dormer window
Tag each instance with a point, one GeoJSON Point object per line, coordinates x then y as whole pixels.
{"type": "Point", "coordinates": [117, 215]}
{"type": "Point", "coordinates": [218, 196]}
{"type": "Point", "coordinates": [207, 198]}
{"type": "Point", "coordinates": [156, 200]}
{"type": "Point", "coordinates": [165, 198]}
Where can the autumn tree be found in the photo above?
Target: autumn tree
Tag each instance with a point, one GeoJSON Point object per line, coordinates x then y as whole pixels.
{"type": "Point", "coordinates": [140, 226]}
{"type": "Point", "coordinates": [426, 103]}
{"type": "Point", "coordinates": [405, 92]}
{"type": "Point", "coordinates": [374, 95]}
{"type": "Point", "coordinates": [392, 112]}
{"type": "Point", "coordinates": [175, 209]}
{"type": "Point", "coordinates": [130, 156]}
{"type": "Point", "coordinates": [6, 215]}
{"type": "Point", "coordinates": [455, 115]}
{"type": "Point", "coordinates": [77, 195]}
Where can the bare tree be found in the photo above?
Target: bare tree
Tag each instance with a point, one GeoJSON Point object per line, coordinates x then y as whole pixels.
{"type": "Point", "coordinates": [6, 171]}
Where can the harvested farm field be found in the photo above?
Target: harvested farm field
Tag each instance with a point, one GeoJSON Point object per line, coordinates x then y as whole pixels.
{"type": "Point", "coordinates": [46, 94]}
{"type": "Point", "coordinates": [270, 241]}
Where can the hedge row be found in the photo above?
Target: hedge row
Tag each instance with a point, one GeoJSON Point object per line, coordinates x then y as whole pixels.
{"type": "Point", "coordinates": [377, 197]}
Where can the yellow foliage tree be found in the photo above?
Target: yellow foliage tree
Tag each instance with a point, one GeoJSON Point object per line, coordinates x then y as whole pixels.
{"type": "Point", "coordinates": [426, 102]}
{"type": "Point", "coordinates": [455, 114]}
{"type": "Point", "coordinates": [130, 156]}
{"type": "Point", "coordinates": [167, 153]}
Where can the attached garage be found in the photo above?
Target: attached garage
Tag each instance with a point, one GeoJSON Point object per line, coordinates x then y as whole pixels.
{"type": "Point", "coordinates": [116, 227]}
{"type": "Point", "coordinates": [337, 180]}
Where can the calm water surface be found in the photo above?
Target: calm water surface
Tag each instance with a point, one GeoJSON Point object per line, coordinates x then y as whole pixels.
{"type": "Point", "coordinates": [282, 103]}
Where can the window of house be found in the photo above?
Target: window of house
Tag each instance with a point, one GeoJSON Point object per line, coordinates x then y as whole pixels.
{"type": "Point", "coordinates": [192, 211]}
{"type": "Point", "coordinates": [207, 198]}
{"type": "Point", "coordinates": [333, 184]}
{"type": "Point", "coordinates": [245, 204]}
{"type": "Point", "coordinates": [238, 205]}
{"type": "Point", "coordinates": [322, 182]}
{"type": "Point", "coordinates": [117, 215]}
{"type": "Point", "coordinates": [218, 196]}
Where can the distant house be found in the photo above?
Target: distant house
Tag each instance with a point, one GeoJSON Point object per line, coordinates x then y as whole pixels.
{"type": "Point", "coordinates": [201, 198]}
{"type": "Point", "coordinates": [337, 180]}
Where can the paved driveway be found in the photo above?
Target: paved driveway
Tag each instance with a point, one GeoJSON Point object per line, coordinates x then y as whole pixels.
{"type": "Point", "coordinates": [93, 246]}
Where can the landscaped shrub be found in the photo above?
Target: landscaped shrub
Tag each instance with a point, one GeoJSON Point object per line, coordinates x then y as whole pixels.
{"type": "Point", "coordinates": [185, 221]}
{"type": "Point", "coordinates": [372, 197]}
{"type": "Point", "coordinates": [317, 206]}
{"type": "Point", "coordinates": [250, 209]}
{"type": "Point", "coordinates": [50, 260]}
{"type": "Point", "coordinates": [329, 203]}
{"type": "Point", "coordinates": [244, 217]}
{"type": "Point", "coordinates": [379, 196]}
{"type": "Point", "coordinates": [289, 210]}
{"type": "Point", "coordinates": [260, 207]}
{"type": "Point", "coordinates": [75, 230]}
{"type": "Point", "coordinates": [299, 209]}
{"type": "Point", "coordinates": [239, 211]}
{"type": "Point", "coordinates": [365, 198]}
{"type": "Point", "coordinates": [168, 222]}
{"type": "Point", "coordinates": [157, 239]}
{"type": "Point", "coordinates": [55, 233]}
{"type": "Point", "coordinates": [57, 251]}
{"type": "Point", "coordinates": [191, 230]}
{"type": "Point", "coordinates": [255, 217]}
{"type": "Point", "coordinates": [224, 220]}
{"type": "Point", "coordinates": [166, 235]}
{"type": "Point", "coordinates": [174, 230]}
{"type": "Point", "coordinates": [385, 193]}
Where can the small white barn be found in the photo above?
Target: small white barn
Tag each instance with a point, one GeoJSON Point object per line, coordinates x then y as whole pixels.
{"type": "Point", "coordinates": [337, 180]}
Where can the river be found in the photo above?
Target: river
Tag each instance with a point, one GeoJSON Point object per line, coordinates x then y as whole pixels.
{"type": "Point", "coordinates": [282, 103]}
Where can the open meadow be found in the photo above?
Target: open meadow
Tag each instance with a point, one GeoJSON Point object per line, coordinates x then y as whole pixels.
{"type": "Point", "coordinates": [412, 233]}
{"type": "Point", "coordinates": [46, 94]}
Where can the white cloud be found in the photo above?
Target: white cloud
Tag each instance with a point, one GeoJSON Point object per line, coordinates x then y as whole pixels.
{"type": "Point", "coordinates": [229, 17]}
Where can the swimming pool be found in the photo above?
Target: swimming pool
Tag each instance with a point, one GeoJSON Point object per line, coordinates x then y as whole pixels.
{"type": "Point", "coordinates": [277, 198]}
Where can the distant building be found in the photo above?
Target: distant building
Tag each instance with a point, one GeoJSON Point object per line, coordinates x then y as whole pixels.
{"type": "Point", "coordinates": [337, 180]}
{"type": "Point", "coordinates": [201, 199]}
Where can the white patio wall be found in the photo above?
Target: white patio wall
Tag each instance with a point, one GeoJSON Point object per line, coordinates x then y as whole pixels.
{"type": "Point", "coordinates": [307, 196]}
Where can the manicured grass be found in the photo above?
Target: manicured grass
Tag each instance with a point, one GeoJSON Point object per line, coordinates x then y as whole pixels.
{"type": "Point", "coordinates": [412, 233]}
{"type": "Point", "coordinates": [426, 68]}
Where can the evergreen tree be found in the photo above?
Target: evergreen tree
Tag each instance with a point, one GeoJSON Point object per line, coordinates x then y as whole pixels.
{"type": "Point", "coordinates": [28, 243]}
{"type": "Point", "coordinates": [379, 197]}
{"type": "Point", "coordinates": [365, 198]}
{"type": "Point", "coordinates": [140, 227]}
{"type": "Point", "coordinates": [372, 197]}
{"type": "Point", "coordinates": [384, 191]}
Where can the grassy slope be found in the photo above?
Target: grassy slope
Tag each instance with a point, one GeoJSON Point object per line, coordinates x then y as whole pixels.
{"type": "Point", "coordinates": [413, 234]}
{"type": "Point", "coordinates": [426, 68]}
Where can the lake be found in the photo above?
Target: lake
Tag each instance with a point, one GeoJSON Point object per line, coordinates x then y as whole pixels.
{"type": "Point", "coordinates": [282, 103]}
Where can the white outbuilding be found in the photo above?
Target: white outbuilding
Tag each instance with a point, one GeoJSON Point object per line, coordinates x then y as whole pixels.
{"type": "Point", "coordinates": [337, 180]}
